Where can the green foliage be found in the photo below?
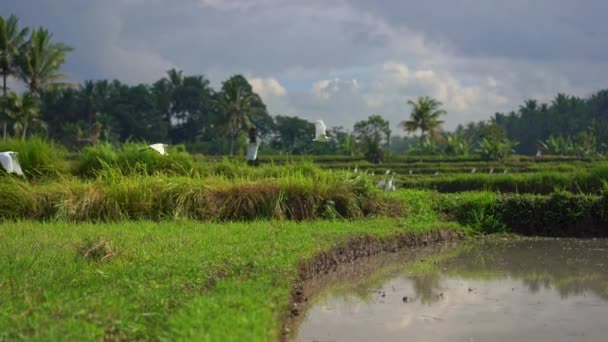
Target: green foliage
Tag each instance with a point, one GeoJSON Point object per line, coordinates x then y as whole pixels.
{"type": "Point", "coordinates": [302, 194]}
{"type": "Point", "coordinates": [496, 149]}
{"type": "Point", "coordinates": [370, 135]}
{"type": "Point", "coordinates": [38, 157]}
{"type": "Point", "coordinates": [133, 158]}
{"type": "Point", "coordinates": [38, 65]}
{"type": "Point", "coordinates": [163, 280]}
{"type": "Point", "coordinates": [425, 116]}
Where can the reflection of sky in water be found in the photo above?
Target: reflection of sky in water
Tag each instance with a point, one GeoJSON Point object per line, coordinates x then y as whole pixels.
{"type": "Point", "coordinates": [462, 302]}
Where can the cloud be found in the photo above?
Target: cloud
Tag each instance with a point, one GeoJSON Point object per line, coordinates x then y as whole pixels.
{"type": "Point", "coordinates": [267, 87]}
{"type": "Point", "coordinates": [342, 59]}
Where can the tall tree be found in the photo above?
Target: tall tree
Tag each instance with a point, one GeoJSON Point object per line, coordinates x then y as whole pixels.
{"type": "Point", "coordinates": [11, 44]}
{"type": "Point", "coordinates": [370, 135]}
{"type": "Point", "coordinates": [425, 116]}
{"type": "Point", "coordinates": [40, 62]}
{"type": "Point", "coordinates": [238, 106]}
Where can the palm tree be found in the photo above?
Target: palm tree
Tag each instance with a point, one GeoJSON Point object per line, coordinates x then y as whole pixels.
{"type": "Point", "coordinates": [39, 65]}
{"type": "Point", "coordinates": [237, 105]}
{"type": "Point", "coordinates": [24, 111]}
{"type": "Point", "coordinates": [11, 43]}
{"type": "Point", "coordinates": [425, 117]}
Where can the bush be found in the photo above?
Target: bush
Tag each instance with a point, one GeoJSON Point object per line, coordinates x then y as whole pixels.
{"type": "Point", "coordinates": [38, 157]}
{"type": "Point", "coordinates": [115, 197]}
{"type": "Point", "coordinates": [133, 158]}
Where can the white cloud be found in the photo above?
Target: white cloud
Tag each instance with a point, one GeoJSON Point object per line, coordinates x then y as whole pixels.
{"type": "Point", "coordinates": [267, 87]}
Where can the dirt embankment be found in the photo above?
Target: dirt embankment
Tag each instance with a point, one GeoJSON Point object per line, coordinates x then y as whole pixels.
{"type": "Point", "coordinates": [353, 249]}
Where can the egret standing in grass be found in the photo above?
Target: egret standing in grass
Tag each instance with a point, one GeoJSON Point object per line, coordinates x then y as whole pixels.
{"type": "Point", "coordinates": [437, 173]}
{"type": "Point", "coordinates": [10, 162]}
{"type": "Point", "coordinates": [252, 147]}
{"type": "Point", "coordinates": [320, 131]}
{"type": "Point", "coordinates": [491, 171]}
{"type": "Point", "coordinates": [160, 148]}
{"type": "Point", "coordinates": [474, 170]}
{"type": "Point", "coordinates": [390, 185]}
{"type": "Point", "coordinates": [382, 183]}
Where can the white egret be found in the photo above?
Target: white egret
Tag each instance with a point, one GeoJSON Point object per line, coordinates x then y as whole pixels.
{"type": "Point", "coordinates": [437, 173]}
{"type": "Point", "coordinates": [160, 148]}
{"type": "Point", "coordinates": [411, 172]}
{"type": "Point", "coordinates": [389, 185]}
{"type": "Point", "coordinates": [491, 170]}
{"type": "Point", "coordinates": [474, 170]}
{"type": "Point", "coordinates": [505, 171]}
{"type": "Point", "coordinates": [10, 162]}
{"type": "Point", "coordinates": [356, 168]}
{"type": "Point", "coordinates": [381, 183]}
{"type": "Point", "coordinates": [252, 147]}
{"type": "Point", "coordinates": [320, 129]}
{"type": "Point", "coordinates": [252, 151]}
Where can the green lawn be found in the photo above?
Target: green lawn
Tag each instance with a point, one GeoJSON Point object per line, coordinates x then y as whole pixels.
{"type": "Point", "coordinates": [169, 280]}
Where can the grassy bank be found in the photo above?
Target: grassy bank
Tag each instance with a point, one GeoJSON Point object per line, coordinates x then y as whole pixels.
{"type": "Point", "coordinates": [559, 214]}
{"type": "Point", "coordinates": [114, 197]}
{"type": "Point", "coordinates": [173, 280]}
{"type": "Point", "coordinates": [589, 180]}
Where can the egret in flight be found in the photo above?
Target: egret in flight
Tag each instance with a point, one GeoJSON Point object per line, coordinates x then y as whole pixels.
{"type": "Point", "coordinates": [10, 163]}
{"type": "Point", "coordinates": [160, 148]}
{"type": "Point", "coordinates": [320, 134]}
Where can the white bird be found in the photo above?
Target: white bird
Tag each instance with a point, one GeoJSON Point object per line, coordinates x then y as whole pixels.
{"type": "Point", "coordinates": [437, 173]}
{"type": "Point", "coordinates": [505, 171]}
{"type": "Point", "coordinates": [491, 171]}
{"type": "Point", "coordinates": [252, 151]}
{"type": "Point", "coordinates": [356, 169]}
{"type": "Point", "coordinates": [389, 185]}
{"type": "Point", "coordinates": [474, 170]}
{"type": "Point", "coordinates": [381, 183]}
{"type": "Point", "coordinates": [411, 172]}
{"type": "Point", "coordinates": [320, 129]}
{"type": "Point", "coordinates": [10, 162]}
{"type": "Point", "coordinates": [160, 148]}
{"type": "Point", "coordinates": [387, 172]}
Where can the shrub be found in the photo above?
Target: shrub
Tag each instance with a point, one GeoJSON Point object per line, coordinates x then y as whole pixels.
{"type": "Point", "coordinates": [38, 157]}
{"type": "Point", "coordinates": [133, 158]}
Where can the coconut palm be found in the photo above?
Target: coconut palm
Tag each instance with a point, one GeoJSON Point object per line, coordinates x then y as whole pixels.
{"type": "Point", "coordinates": [11, 43]}
{"type": "Point", "coordinates": [236, 105]}
{"type": "Point", "coordinates": [425, 116]}
{"type": "Point", "coordinates": [24, 111]}
{"type": "Point", "coordinates": [40, 62]}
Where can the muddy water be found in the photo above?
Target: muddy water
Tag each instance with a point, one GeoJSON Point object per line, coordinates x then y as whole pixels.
{"type": "Point", "coordinates": [490, 290]}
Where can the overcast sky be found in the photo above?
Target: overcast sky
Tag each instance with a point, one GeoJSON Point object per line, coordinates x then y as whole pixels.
{"type": "Point", "coordinates": [342, 60]}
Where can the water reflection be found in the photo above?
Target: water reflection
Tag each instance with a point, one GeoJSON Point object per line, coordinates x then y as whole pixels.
{"type": "Point", "coordinates": [539, 289]}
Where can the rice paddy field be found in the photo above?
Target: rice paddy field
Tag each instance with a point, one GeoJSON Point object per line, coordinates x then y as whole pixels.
{"type": "Point", "coordinates": [122, 243]}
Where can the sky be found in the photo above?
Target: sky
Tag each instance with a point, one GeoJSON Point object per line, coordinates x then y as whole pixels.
{"type": "Point", "coordinates": [342, 60]}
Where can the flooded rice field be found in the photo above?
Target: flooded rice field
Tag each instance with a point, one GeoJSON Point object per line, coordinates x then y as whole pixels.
{"type": "Point", "coordinates": [488, 290]}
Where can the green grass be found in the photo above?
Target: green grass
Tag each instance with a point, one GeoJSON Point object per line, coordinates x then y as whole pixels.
{"type": "Point", "coordinates": [115, 197]}
{"type": "Point", "coordinates": [169, 280]}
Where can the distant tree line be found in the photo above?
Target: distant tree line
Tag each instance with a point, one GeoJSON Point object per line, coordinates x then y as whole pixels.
{"type": "Point", "coordinates": [185, 109]}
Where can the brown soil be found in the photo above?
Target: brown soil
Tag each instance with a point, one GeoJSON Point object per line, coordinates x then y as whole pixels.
{"type": "Point", "coordinates": [354, 248]}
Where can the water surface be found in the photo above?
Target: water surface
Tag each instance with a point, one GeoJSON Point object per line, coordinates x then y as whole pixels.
{"type": "Point", "coordinates": [490, 290]}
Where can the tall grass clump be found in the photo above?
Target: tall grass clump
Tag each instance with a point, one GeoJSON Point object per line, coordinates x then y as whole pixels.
{"type": "Point", "coordinates": [133, 158]}
{"type": "Point", "coordinates": [113, 196]}
{"type": "Point", "coordinates": [38, 157]}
